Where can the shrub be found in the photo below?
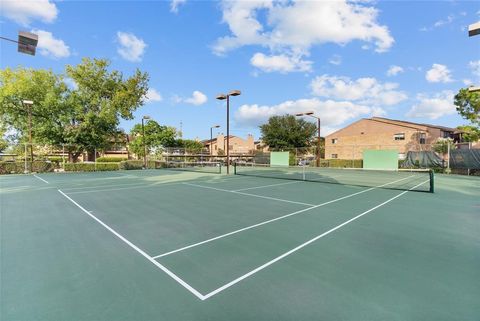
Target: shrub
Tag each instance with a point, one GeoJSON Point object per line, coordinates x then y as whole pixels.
{"type": "Point", "coordinates": [345, 163]}
{"type": "Point", "coordinates": [136, 164]}
{"type": "Point", "coordinates": [19, 167]}
{"type": "Point", "coordinates": [105, 159]}
{"type": "Point", "coordinates": [91, 167]}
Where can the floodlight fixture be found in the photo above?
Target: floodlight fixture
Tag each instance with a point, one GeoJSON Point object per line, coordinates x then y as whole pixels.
{"type": "Point", "coordinates": [235, 93]}
{"type": "Point", "coordinates": [474, 29]}
{"type": "Point", "coordinates": [27, 42]}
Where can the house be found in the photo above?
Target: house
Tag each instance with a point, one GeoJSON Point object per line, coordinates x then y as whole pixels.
{"type": "Point", "coordinates": [238, 146]}
{"type": "Point", "coordinates": [384, 133]}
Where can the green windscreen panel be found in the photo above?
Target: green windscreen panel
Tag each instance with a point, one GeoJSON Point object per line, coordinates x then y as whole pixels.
{"type": "Point", "coordinates": [380, 159]}
{"type": "Point", "coordinates": [279, 158]}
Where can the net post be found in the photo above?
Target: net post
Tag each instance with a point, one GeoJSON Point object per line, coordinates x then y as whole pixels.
{"type": "Point", "coordinates": [432, 179]}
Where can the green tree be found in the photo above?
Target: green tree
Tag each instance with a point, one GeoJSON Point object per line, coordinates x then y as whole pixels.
{"type": "Point", "coordinates": [441, 145]}
{"type": "Point", "coordinates": [191, 146]}
{"type": "Point", "coordinates": [49, 114]}
{"type": "Point", "coordinates": [468, 105]}
{"type": "Point", "coordinates": [82, 118]}
{"type": "Point", "coordinates": [101, 99]}
{"type": "Point", "coordinates": [287, 131]}
{"type": "Point", "coordinates": [156, 137]}
{"type": "Point", "coordinates": [470, 133]}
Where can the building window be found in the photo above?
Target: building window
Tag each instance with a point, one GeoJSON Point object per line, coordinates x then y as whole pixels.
{"type": "Point", "coordinates": [447, 135]}
{"type": "Point", "coordinates": [400, 136]}
{"type": "Point", "coordinates": [334, 155]}
{"type": "Point", "coordinates": [334, 140]}
{"type": "Point", "coordinates": [423, 138]}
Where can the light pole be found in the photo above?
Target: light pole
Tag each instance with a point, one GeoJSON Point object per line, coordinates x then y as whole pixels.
{"type": "Point", "coordinates": [474, 30]}
{"type": "Point", "coordinates": [311, 114]}
{"type": "Point", "coordinates": [211, 137]}
{"type": "Point", "coordinates": [28, 104]}
{"type": "Point", "coordinates": [227, 97]}
{"type": "Point", "coordinates": [144, 143]}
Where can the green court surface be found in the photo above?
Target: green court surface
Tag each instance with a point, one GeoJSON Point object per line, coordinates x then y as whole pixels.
{"type": "Point", "coordinates": [172, 245]}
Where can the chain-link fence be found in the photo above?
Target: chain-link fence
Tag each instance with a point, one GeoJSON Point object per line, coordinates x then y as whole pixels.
{"type": "Point", "coordinates": [463, 158]}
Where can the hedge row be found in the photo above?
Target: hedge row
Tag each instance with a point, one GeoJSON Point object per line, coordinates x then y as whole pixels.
{"type": "Point", "coordinates": [90, 167]}
{"type": "Point", "coordinates": [19, 167]}
{"type": "Point", "coordinates": [346, 163]}
{"type": "Point", "coordinates": [106, 159]}
{"type": "Point", "coordinates": [136, 164]}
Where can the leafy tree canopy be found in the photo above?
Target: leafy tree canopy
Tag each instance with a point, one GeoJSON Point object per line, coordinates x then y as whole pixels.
{"type": "Point", "coordinates": [287, 132]}
{"type": "Point", "coordinates": [191, 145]}
{"type": "Point", "coordinates": [468, 105]}
{"type": "Point", "coordinates": [470, 133]}
{"type": "Point", "coordinates": [156, 136]}
{"type": "Point", "coordinates": [85, 117]}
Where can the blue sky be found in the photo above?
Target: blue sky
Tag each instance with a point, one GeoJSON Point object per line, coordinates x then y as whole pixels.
{"type": "Point", "coordinates": [343, 60]}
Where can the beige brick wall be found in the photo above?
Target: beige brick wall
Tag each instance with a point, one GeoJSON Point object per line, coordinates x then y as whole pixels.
{"type": "Point", "coordinates": [371, 134]}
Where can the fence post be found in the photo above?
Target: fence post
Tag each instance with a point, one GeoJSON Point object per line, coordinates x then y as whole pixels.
{"type": "Point", "coordinates": [25, 170]}
{"type": "Point", "coordinates": [95, 158]}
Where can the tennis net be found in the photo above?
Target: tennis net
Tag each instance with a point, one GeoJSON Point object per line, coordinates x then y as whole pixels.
{"type": "Point", "coordinates": [203, 167]}
{"type": "Point", "coordinates": [401, 179]}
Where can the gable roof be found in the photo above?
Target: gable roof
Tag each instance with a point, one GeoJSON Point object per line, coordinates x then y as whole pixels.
{"type": "Point", "coordinates": [444, 128]}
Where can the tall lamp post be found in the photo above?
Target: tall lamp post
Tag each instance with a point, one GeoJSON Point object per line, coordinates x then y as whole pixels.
{"type": "Point", "coordinates": [474, 30]}
{"type": "Point", "coordinates": [211, 137]}
{"type": "Point", "coordinates": [227, 97]}
{"type": "Point", "coordinates": [28, 104]}
{"type": "Point", "coordinates": [311, 114]}
{"type": "Point", "coordinates": [144, 143]}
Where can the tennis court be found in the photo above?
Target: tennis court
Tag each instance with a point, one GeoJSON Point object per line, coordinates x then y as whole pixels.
{"type": "Point", "coordinates": [175, 245]}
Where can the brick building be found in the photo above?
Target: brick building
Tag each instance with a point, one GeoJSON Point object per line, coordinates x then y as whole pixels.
{"type": "Point", "coordinates": [384, 133]}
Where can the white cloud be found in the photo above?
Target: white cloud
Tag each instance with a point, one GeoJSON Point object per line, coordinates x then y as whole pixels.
{"type": "Point", "coordinates": [433, 107]}
{"type": "Point", "coordinates": [174, 4]}
{"type": "Point", "coordinates": [293, 27]}
{"type": "Point", "coordinates": [438, 73]}
{"type": "Point", "coordinates": [335, 60]}
{"type": "Point", "coordinates": [467, 82]}
{"type": "Point", "coordinates": [24, 12]}
{"type": "Point", "coordinates": [394, 70]}
{"type": "Point", "coordinates": [131, 48]}
{"type": "Point", "coordinates": [280, 63]}
{"type": "Point", "coordinates": [447, 21]}
{"type": "Point", "coordinates": [50, 46]}
{"type": "Point", "coordinates": [333, 113]}
{"type": "Point", "coordinates": [363, 90]}
{"type": "Point", "coordinates": [153, 95]}
{"type": "Point", "coordinates": [198, 98]}
{"type": "Point", "coordinates": [475, 67]}
{"type": "Point", "coordinates": [440, 23]}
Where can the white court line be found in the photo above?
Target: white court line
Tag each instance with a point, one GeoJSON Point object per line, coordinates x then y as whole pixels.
{"type": "Point", "coordinates": [272, 220]}
{"type": "Point", "coordinates": [264, 186]}
{"type": "Point", "coordinates": [247, 194]}
{"type": "Point", "coordinates": [41, 179]}
{"type": "Point", "coordinates": [229, 284]}
{"type": "Point", "coordinates": [136, 248]}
